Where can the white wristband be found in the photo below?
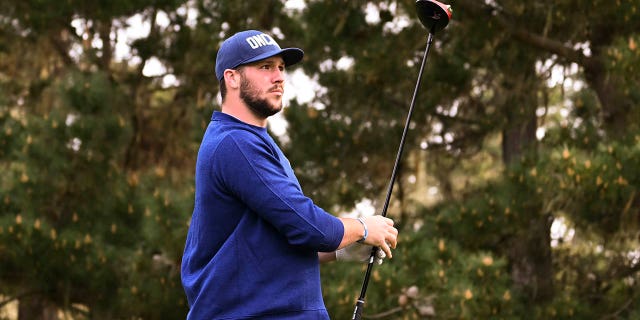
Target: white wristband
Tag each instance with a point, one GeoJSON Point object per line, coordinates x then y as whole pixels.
{"type": "Point", "coordinates": [366, 231]}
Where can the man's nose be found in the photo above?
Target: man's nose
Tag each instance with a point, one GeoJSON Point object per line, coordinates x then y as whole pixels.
{"type": "Point", "coordinates": [278, 75]}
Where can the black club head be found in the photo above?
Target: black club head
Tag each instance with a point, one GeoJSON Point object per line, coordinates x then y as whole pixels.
{"type": "Point", "coordinates": [434, 15]}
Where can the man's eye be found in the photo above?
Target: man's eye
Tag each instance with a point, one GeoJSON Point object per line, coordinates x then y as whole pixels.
{"type": "Point", "coordinates": [271, 67]}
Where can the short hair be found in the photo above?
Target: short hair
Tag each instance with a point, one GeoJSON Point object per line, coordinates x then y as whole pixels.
{"type": "Point", "coordinates": [223, 85]}
{"type": "Point", "coordinates": [223, 89]}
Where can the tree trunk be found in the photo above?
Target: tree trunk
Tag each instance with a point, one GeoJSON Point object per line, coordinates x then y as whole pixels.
{"type": "Point", "coordinates": [34, 307]}
{"type": "Point", "coordinates": [530, 258]}
{"type": "Point", "coordinates": [529, 249]}
{"type": "Point", "coordinates": [615, 104]}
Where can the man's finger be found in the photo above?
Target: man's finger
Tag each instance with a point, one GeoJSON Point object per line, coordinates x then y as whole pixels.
{"type": "Point", "coordinates": [392, 241]}
{"type": "Point", "coordinates": [387, 250]}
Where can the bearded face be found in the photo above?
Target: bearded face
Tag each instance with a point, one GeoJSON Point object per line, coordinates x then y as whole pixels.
{"type": "Point", "coordinates": [253, 98]}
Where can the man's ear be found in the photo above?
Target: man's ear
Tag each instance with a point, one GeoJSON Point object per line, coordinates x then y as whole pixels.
{"type": "Point", "coordinates": [233, 78]}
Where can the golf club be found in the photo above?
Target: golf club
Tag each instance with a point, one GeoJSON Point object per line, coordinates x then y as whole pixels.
{"type": "Point", "coordinates": [434, 16]}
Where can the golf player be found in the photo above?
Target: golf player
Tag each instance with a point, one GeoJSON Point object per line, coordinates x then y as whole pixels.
{"type": "Point", "coordinates": [255, 241]}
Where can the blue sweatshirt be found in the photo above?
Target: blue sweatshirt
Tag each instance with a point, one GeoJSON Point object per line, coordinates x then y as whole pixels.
{"type": "Point", "coordinates": [251, 249]}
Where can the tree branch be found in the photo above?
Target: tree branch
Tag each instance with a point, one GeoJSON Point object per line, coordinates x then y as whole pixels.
{"type": "Point", "coordinates": [384, 315]}
{"type": "Point", "coordinates": [524, 35]}
{"type": "Point", "coordinates": [62, 49]}
{"type": "Point", "coordinates": [17, 297]}
{"type": "Point", "coordinates": [617, 313]}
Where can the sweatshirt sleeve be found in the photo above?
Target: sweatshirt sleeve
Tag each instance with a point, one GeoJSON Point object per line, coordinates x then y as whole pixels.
{"type": "Point", "coordinates": [247, 166]}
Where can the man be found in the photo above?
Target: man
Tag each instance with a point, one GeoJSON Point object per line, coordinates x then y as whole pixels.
{"type": "Point", "coordinates": [255, 240]}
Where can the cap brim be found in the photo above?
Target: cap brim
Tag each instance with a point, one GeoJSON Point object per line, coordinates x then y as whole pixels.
{"type": "Point", "coordinates": [290, 56]}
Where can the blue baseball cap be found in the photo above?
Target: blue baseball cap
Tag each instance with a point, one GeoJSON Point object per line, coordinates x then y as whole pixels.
{"type": "Point", "coordinates": [251, 46]}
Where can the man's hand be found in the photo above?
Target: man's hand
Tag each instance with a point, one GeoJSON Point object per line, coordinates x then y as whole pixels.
{"type": "Point", "coordinates": [376, 231]}
{"type": "Point", "coordinates": [381, 233]}
{"type": "Point", "coordinates": [359, 253]}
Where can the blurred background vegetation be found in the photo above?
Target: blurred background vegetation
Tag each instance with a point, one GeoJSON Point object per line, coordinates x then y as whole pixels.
{"type": "Point", "coordinates": [517, 197]}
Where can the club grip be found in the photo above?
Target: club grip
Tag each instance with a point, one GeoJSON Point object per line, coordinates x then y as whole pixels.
{"type": "Point", "coordinates": [357, 313]}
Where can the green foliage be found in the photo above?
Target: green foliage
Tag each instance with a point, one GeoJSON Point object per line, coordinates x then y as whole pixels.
{"type": "Point", "coordinates": [427, 277]}
{"type": "Point", "coordinates": [75, 216]}
{"type": "Point", "coordinates": [97, 158]}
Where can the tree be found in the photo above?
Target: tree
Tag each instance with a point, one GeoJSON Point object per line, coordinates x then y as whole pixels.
{"type": "Point", "coordinates": [97, 154]}
{"type": "Point", "coordinates": [80, 223]}
{"type": "Point", "coordinates": [487, 84]}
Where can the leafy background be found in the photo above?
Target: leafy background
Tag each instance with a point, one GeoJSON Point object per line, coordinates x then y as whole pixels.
{"type": "Point", "coordinates": [517, 197]}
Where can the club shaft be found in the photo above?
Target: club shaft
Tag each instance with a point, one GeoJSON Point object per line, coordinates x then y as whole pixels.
{"type": "Point", "coordinates": [357, 313]}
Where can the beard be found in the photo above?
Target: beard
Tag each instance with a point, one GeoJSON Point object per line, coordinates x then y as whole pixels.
{"type": "Point", "coordinates": [259, 107]}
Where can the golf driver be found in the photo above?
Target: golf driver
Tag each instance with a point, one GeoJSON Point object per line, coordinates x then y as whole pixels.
{"type": "Point", "coordinates": [434, 16]}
